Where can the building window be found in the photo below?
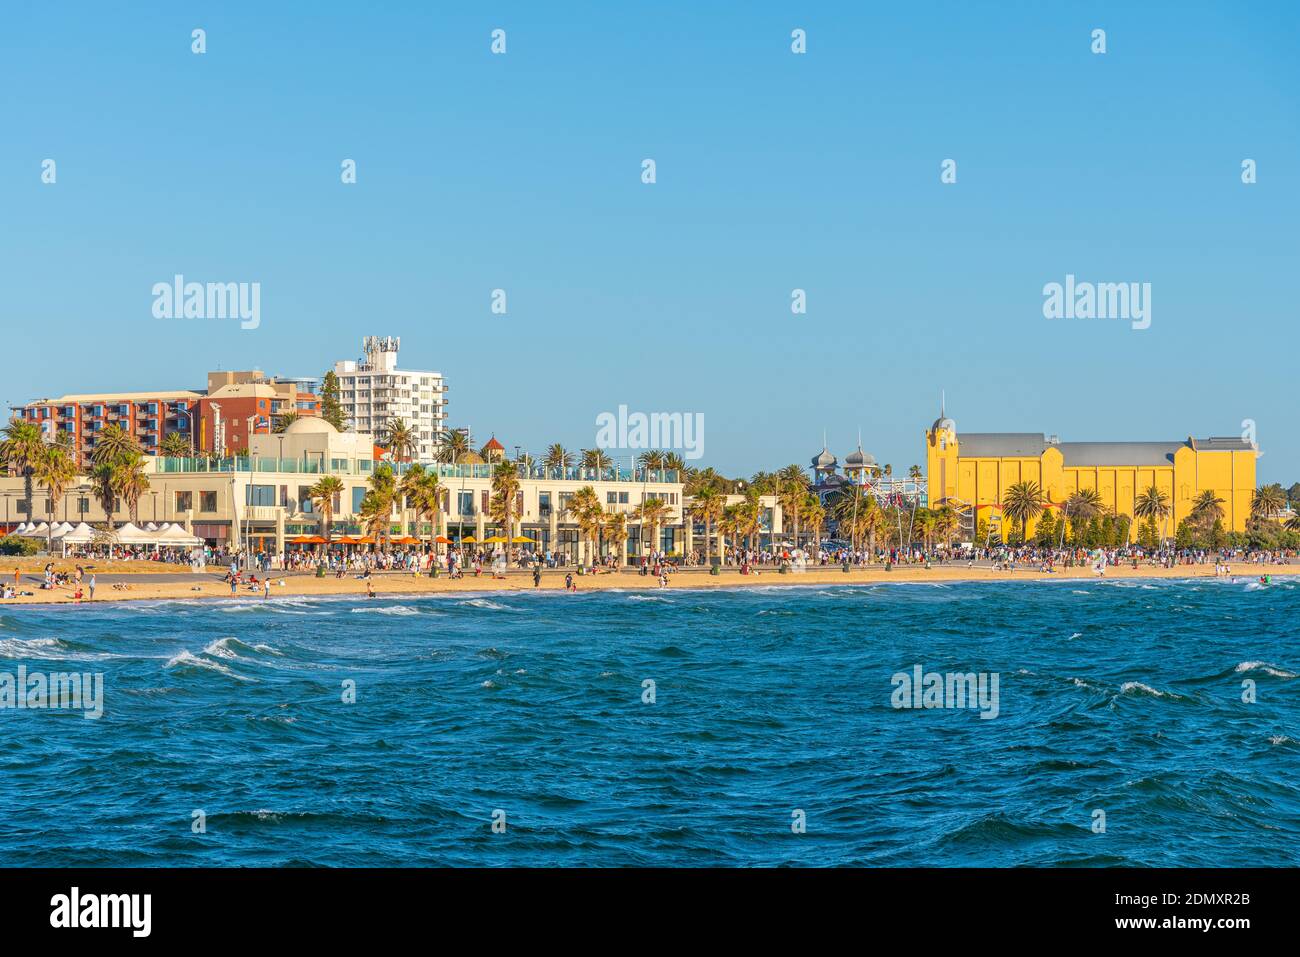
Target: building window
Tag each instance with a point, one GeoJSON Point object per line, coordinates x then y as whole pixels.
{"type": "Point", "coordinates": [358, 493]}
{"type": "Point", "coordinates": [207, 501]}
{"type": "Point", "coordinates": [465, 503]}
{"type": "Point", "coordinates": [260, 495]}
{"type": "Point", "coordinates": [184, 501]}
{"type": "Point", "coordinates": [544, 504]}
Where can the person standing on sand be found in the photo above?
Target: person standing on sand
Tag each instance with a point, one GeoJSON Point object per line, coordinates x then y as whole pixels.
{"type": "Point", "coordinates": [537, 575]}
{"type": "Point", "coordinates": [370, 588]}
{"type": "Point", "coordinates": [568, 583]}
{"type": "Point", "coordinates": [266, 588]}
{"type": "Point", "coordinates": [92, 586]}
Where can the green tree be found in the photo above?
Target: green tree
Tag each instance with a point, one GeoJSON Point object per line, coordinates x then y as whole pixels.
{"type": "Point", "coordinates": [176, 446]}
{"type": "Point", "coordinates": [21, 449]}
{"type": "Point", "coordinates": [706, 506]}
{"type": "Point", "coordinates": [400, 440]}
{"type": "Point", "coordinates": [283, 421]}
{"type": "Point", "coordinates": [322, 497]}
{"type": "Point", "coordinates": [1022, 504]}
{"type": "Point", "coordinates": [503, 505]}
{"type": "Point", "coordinates": [56, 470]}
{"type": "Point", "coordinates": [1153, 504]}
{"type": "Point", "coordinates": [331, 409]}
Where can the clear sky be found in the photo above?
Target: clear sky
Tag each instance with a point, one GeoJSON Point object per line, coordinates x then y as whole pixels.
{"type": "Point", "coordinates": [775, 171]}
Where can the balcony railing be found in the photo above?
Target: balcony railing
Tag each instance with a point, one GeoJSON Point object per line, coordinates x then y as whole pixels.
{"type": "Point", "coordinates": [366, 467]}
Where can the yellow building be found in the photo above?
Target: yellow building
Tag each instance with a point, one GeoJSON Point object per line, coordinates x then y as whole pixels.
{"type": "Point", "coordinates": [971, 472]}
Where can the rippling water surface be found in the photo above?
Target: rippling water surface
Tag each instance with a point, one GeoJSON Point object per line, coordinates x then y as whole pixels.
{"type": "Point", "coordinates": [1119, 696]}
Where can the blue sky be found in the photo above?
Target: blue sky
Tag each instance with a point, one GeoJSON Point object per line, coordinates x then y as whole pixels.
{"type": "Point", "coordinates": [775, 172]}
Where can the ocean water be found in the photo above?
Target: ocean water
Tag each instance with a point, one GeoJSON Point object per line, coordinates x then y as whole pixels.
{"type": "Point", "coordinates": [768, 704]}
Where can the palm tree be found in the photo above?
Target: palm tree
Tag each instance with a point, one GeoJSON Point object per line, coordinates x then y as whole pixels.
{"type": "Point", "coordinates": [131, 482]}
{"type": "Point", "coordinates": [322, 499]}
{"type": "Point", "coordinates": [1022, 504]}
{"type": "Point", "coordinates": [729, 525]}
{"type": "Point", "coordinates": [749, 517]}
{"type": "Point", "coordinates": [652, 512]}
{"type": "Point", "coordinates": [1207, 508]}
{"type": "Point", "coordinates": [283, 421]}
{"type": "Point", "coordinates": [854, 509]}
{"type": "Point", "coordinates": [586, 511]}
{"type": "Point", "coordinates": [1153, 505]}
{"type": "Point", "coordinates": [113, 443]}
{"type": "Point", "coordinates": [56, 470]}
{"type": "Point", "coordinates": [707, 506]}
{"type": "Point", "coordinates": [176, 446]}
{"type": "Point", "coordinates": [596, 460]}
{"type": "Point", "coordinates": [945, 523]}
{"type": "Point", "coordinates": [913, 474]}
{"type": "Point", "coordinates": [503, 505]}
{"type": "Point", "coordinates": [653, 460]}
{"type": "Point", "coordinates": [1269, 502]}
{"type": "Point", "coordinates": [558, 457]}
{"type": "Point", "coordinates": [452, 447]}
{"type": "Point", "coordinates": [813, 514]}
{"type": "Point", "coordinates": [21, 450]}
{"type": "Point", "coordinates": [673, 462]}
{"type": "Point", "coordinates": [1081, 507]}
{"type": "Point", "coordinates": [103, 485]}
{"type": "Point", "coordinates": [616, 527]}
{"type": "Point", "coordinates": [377, 504]}
{"type": "Point", "coordinates": [400, 440]}
{"type": "Point", "coordinates": [424, 495]}
{"type": "Point", "coordinates": [793, 491]}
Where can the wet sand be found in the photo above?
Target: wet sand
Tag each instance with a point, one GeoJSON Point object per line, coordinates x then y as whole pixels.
{"type": "Point", "coordinates": [143, 583]}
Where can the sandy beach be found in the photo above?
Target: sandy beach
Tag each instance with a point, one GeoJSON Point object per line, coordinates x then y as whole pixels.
{"type": "Point", "coordinates": [135, 581]}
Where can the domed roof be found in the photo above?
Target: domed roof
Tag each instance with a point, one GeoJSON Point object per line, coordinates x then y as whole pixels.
{"type": "Point", "coordinates": [859, 460]}
{"type": "Point", "coordinates": [943, 422]}
{"type": "Point", "coordinates": [824, 459]}
{"type": "Point", "coordinates": [308, 424]}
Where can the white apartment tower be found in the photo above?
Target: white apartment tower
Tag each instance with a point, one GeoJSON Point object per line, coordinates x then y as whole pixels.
{"type": "Point", "coordinates": [373, 391]}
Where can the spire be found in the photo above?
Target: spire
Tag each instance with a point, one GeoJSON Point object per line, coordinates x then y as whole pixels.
{"type": "Point", "coordinates": [943, 414]}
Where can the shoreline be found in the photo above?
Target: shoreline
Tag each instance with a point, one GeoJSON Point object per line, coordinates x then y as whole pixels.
{"type": "Point", "coordinates": [393, 585]}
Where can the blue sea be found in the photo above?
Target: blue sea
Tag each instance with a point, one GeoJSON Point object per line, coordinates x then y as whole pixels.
{"type": "Point", "coordinates": [679, 728]}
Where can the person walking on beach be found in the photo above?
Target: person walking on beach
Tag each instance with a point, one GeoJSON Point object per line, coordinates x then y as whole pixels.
{"type": "Point", "coordinates": [568, 583]}
{"type": "Point", "coordinates": [370, 588]}
{"type": "Point", "coordinates": [91, 586]}
{"type": "Point", "coordinates": [537, 575]}
{"type": "Point", "coordinates": [266, 588]}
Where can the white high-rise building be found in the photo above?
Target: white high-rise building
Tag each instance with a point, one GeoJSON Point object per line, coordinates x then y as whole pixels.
{"type": "Point", "coordinates": [373, 391]}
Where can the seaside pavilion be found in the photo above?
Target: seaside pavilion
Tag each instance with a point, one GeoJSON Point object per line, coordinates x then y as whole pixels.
{"type": "Point", "coordinates": [972, 471]}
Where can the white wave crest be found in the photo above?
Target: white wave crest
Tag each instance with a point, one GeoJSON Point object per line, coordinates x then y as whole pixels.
{"type": "Point", "coordinates": [1265, 667]}
{"type": "Point", "coordinates": [187, 660]}
{"type": "Point", "coordinates": [387, 610]}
